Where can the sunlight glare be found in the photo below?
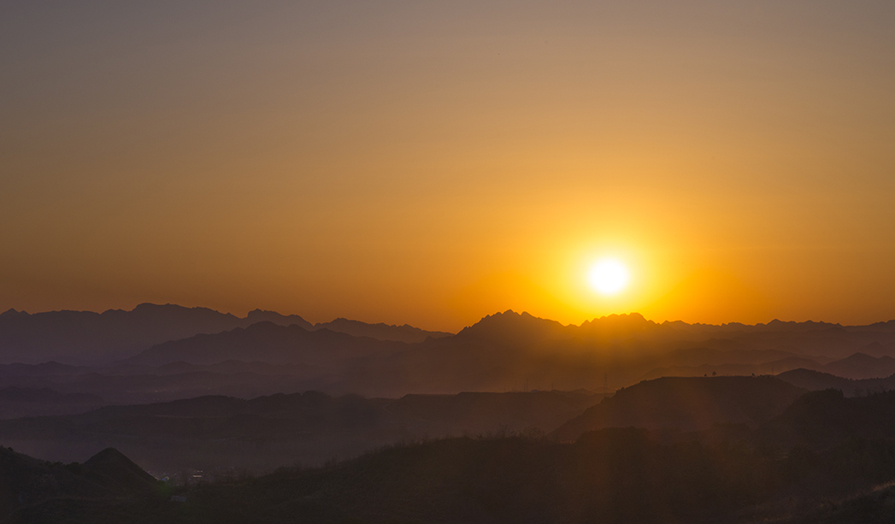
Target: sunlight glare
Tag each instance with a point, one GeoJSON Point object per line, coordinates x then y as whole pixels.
{"type": "Point", "coordinates": [608, 276]}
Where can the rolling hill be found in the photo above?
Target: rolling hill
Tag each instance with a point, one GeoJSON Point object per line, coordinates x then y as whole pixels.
{"type": "Point", "coordinates": [688, 404]}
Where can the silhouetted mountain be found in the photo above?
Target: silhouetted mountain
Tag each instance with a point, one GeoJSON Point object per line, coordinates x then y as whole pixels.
{"type": "Point", "coordinates": [267, 432]}
{"type": "Point", "coordinates": [874, 506]}
{"type": "Point", "coordinates": [698, 362]}
{"type": "Point", "coordinates": [26, 402]}
{"type": "Point", "coordinates": [141, 384]}
{"type": "Point", "coordinates": [405, 333]}
{"type": "Point", "coordinates": [860, 366]}
{"type": "Point", "coordinates": [485, 413]}
{"type": "Point", "coordinates": [270, 343]}
{"type": "Point", "coordinates": [522, 329]}
{"type": "Point", "coordinates": [511, 328]}
{"type": "Point", "coordinates": [815, 380]}
{"type": "Point", "coordinates": [822, 419]}
{"type": "Point", "coordinates": [30, 487]}
{"type": "Point", "coordinates": [705, 370]}
{"type": "Point", "coordinates": [259, 315]}
{"type": "Point", "coordinates": [686, 403]}
{"type": "Point", "coordinates": [88, 337]}
{"type": "Point", "coordinates": [503, 352]}
{"type": "Point", "coordinates": [612, 476]}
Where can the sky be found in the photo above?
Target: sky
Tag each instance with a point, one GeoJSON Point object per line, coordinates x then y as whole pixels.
{"type": "Point", "coordinates": [434, 162]}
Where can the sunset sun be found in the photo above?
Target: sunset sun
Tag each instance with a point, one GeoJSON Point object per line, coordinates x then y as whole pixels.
{"type": "Point", "coordinates": [608, 276]}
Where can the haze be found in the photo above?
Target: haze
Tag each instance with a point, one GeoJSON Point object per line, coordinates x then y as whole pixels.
{"type": "Point", "coordinates": [431, 163]}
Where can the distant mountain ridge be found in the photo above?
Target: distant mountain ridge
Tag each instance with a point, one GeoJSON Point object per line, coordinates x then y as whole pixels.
{"type": "Point", "coordinates": [141, 356]}
{"type": "Point", "coordinates": [268, 342]}
{"type": "Point", "coordinates": [830, 341]}
{"type": "Point", "coordinates": [380, 331]}
{"type": "Point", "coordinates": [816, 381]}
{"type": "Point", "coordinates": [85, 337]}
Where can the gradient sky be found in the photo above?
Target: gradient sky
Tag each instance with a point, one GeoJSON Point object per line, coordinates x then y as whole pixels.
{"type": "Point", "coordinates": [433, 162]}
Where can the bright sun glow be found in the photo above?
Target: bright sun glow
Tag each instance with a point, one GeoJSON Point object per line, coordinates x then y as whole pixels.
{"type": "Point", "coordinates": [608, 276]}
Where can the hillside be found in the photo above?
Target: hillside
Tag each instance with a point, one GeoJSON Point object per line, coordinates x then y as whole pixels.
{"type": "Point", "coordinates": [267, 432]}
{"type": "Point", "coordinates": [612, 476]}
{"type": "Point", "coordinates": [822, 419]}
{"type": "Point", "coordinates": [815, 380]}
{"type": "Point", "coordinates": [688, 404]}
{"type": "Point", "coordinates": [28, 484]}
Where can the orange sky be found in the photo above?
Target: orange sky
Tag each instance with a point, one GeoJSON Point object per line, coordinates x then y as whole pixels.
{"type": "Point", "coordinates": [434, 162]}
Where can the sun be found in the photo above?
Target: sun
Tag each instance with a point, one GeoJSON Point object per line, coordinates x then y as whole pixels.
{"type": "Point", "coordinates": [608, 276]}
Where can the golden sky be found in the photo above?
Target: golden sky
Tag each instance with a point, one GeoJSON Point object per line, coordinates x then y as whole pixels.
{"type": "Point", "coordinates": [434, 162]}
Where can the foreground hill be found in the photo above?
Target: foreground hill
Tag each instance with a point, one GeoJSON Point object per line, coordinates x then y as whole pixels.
{"type": "Point", "coordinates": [267, 432]}
{"type": "Point", "coordinates": [610, 476]}
{"type": "Point", "coordinates": [27, 483]}
{"type": "Point", "coordinates": [688, 404]}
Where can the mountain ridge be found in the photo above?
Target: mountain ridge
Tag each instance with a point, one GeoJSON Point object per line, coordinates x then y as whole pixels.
{"type": "Point", "coordinates": [87, 337]}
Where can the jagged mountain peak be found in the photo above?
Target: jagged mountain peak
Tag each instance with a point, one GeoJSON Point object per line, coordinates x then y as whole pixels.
{"type": "Point", "coordinates": [514, 326]}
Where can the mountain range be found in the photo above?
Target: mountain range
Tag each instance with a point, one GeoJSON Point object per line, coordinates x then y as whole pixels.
{"type": "Point", "coordinates": [158, 353]}
{"type": "Point", "coordinates": [217, 432]}
{"type": "Point", "coordinates": [89, 337]}
{"type": "Point", "coordinates": [741, 451]}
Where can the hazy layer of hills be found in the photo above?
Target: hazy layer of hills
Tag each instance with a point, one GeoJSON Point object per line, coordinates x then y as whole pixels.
{"type": "Point", "coordinates": [181, 390]}
{"type": "Point", "coordinates": [825, 458]}
{"type": "Point", "coordinates": [88, 337]}
{"type": "Point", "coordinates": [267, 432]}
{"type": "Point", "coordinates": [310, 428]}
{"type": "Point", "coordinates": [173, 352]}
{"type": "Point", "coordinates": [687, 404]}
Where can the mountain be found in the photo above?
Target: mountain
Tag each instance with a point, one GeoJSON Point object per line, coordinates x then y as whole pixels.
{"type": "Point", "coordinates": [30, 488]}
{"type": "Point", "coordinates": [506, 351]}
{"type": "Point", "coordinates": [861, 366]}
{"type": "Point", "coordinates": [611, 476]}
{"type": "Point", "coordinates": [698, 362]}
{"type": "Point", "coordinates": [687, 404]}
{"type": "Point", "coordinates": [511, 328]}
{"type": "Point", "coordinates": [214, 432]}
{"type": "Point", "coordinates": [823, 419]}
{"type": "Point", "coordinates": [268, 342]}
{"type": "Point", "coordinates": [525, 330]}
{"type": "Point", "coordinates": [815, 381]}
{"type": "Point", "coordinates": [30, 402]}
{"type": "Point", "coordinates": [85, 337]}
{"type": "Point", "coordinates": [405, 333]}
{"type": "Point", "coordinates": [258, 315]}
